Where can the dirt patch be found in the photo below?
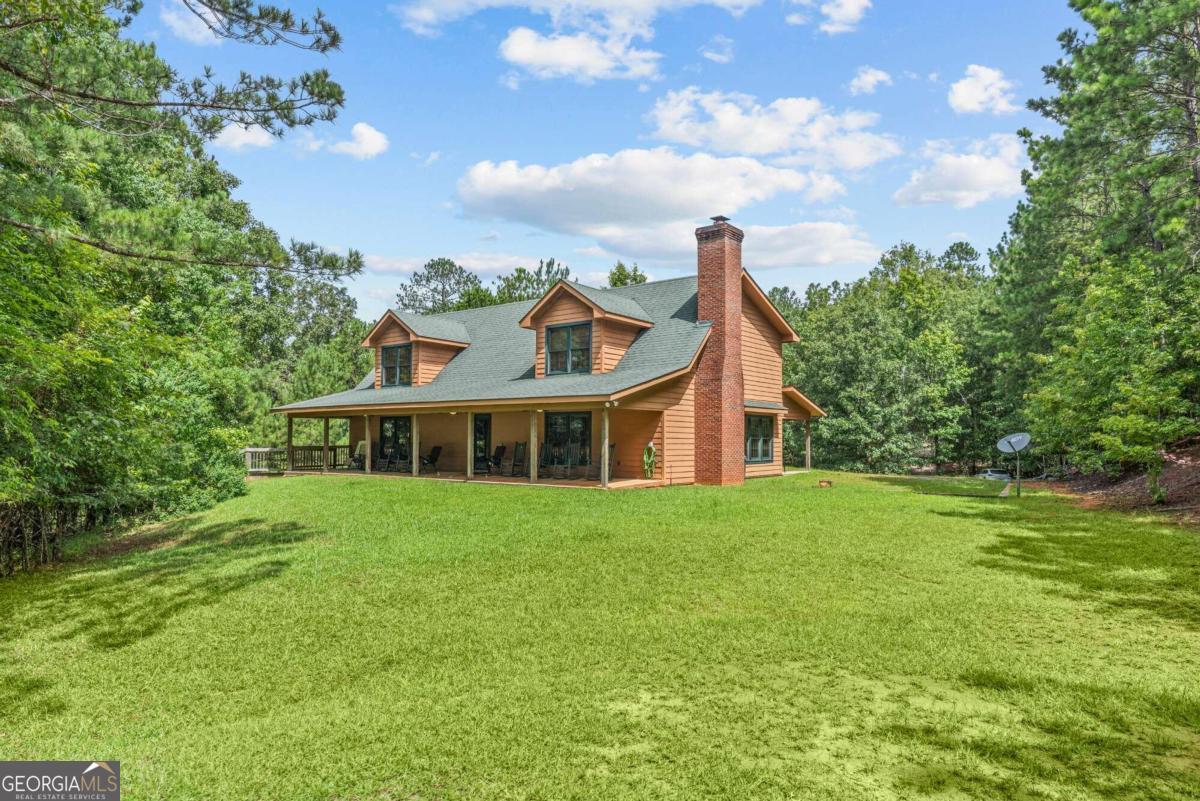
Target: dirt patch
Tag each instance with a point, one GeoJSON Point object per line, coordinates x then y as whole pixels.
{"type": "Point", "coordinates": [1180, 478]}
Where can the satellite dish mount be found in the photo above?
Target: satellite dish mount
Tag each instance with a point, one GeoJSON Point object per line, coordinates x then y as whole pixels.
{"type": "Point", "coordinates": [1014, 443]}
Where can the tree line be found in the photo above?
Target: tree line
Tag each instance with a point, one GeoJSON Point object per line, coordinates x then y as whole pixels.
{"type": "Point", "coordinates": [1084, 327]}
{"type": "Point", "coordinates": [148, 321]}
{"type": "Point", "coordinates": [444, 285]}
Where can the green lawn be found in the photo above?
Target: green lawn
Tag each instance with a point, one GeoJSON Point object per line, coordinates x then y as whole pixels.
{"type": "Point", "coordinates": [353, 638]}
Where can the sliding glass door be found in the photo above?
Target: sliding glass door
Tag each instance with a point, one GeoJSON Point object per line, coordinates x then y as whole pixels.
{"type": "Point", "coordinates": [568, 438]}
{"type": "Point", "coordinates": [395, 436]}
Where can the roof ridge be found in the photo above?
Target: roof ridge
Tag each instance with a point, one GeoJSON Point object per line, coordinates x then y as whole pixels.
{"type": "Point", "coordinates": [534, 300]}
{"type": "Point", "coordinates": [473, 308]}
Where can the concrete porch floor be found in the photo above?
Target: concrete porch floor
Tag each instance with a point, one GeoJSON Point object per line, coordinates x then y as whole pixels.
{"type": "Point", "coordinates": [576, 483]}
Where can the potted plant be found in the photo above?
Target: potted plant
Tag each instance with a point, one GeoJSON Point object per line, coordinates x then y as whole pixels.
{"type": "Point", "coordinates": [649, 460]}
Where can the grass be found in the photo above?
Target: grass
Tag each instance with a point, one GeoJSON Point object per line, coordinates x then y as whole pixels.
{"type": "Point", "coordinates": [350, 638]}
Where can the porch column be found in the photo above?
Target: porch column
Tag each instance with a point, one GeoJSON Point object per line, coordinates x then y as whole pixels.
{"type": "Point", "coordinates": [533, 447]}
{"type": "Point", "coordinates": [325, 446]}
{"type": "Point", "coordinates": [808, 443]}
{"type": "Point", "coordinates": [289, 444]}
{"type": "Point", "coordinates": [416, 444]}
{"type": "Point", "coordinates": [604, 447]}
{"type": "Point", "coordinates": [367, 437]}
{"type": "Point", "coordinates": [470, 445]}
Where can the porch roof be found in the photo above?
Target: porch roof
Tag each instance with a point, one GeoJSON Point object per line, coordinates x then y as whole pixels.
{"type": "Point", "coordinates": [498, 364]}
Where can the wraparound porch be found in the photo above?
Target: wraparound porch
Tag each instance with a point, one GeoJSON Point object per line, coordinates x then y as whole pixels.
{"type": "Point", "coordinates": [558, 445]}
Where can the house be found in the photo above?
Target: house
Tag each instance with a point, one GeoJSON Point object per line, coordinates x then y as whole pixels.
{"type": "Point", "coordinates": [576, 384]}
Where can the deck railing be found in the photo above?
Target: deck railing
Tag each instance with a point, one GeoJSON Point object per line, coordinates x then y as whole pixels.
{"type": "Point", "coordinates": [311, 457]}
{"type": "Point", "coordinates": [264, 461]}
{"type": "Point", "coordinates": [261, 461]}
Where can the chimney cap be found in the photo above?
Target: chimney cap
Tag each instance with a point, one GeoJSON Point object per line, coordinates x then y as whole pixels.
{"type": "Point", "coordinates": [719, 219]}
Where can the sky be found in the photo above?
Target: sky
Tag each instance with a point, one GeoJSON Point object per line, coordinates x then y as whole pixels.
{"type": "Point", "coordinates": [501, 132]}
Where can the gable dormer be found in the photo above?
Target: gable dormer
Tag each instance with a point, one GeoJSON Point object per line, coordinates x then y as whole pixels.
{"type": "Point", "coordinates": [582, 330]}
{"type": "Point", "coordinates": [411, 349]}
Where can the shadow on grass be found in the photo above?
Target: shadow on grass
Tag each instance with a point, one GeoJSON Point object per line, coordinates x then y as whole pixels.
{"type": "Point", "coordinates": [128, 589]}
{"type": "Point", "coordinates": [1113, 559]}
{"type": "Point", "coordinates": [943, 485]}
{"type": "Point", "coordinates": [1056, 739]}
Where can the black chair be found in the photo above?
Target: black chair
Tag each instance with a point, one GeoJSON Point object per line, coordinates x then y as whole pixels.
{"type": "Point", "coordinates": [492, 465]}
{"type": "Point", "coordinates": [517, 466]}
{"type": "Point", "coordinates": [386, 461]}
{"type": "Point", "coordinates": [430, 462]}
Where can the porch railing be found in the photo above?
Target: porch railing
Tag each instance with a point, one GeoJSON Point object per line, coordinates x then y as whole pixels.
{"type": "Point", "coordinates": [264, 461]}
{"type": "Point", "coordinates": [311, 457]}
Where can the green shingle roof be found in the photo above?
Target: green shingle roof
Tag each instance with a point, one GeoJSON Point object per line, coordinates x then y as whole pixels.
{"type": "Point", "coordinates": [498, 363]}
{"type": "Point", "coordinates": [435, 326]}
{"type": "Point", "coordinates": [613, 302]}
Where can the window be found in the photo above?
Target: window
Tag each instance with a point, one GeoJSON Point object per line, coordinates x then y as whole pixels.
{"type": "Point", "coordinates": [760, 438]}
{"type": "Point", "coordinates": [569, 348]}
{"type": "Point", "coordinates": [568, 438]}
{"type": "Point", "coordinates": [397, 365]}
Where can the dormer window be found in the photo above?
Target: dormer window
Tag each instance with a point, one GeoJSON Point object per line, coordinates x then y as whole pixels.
{"type": "Point", "coordinates": [569, 348]}
{"type": "Point", "coordinates": [397, 365]}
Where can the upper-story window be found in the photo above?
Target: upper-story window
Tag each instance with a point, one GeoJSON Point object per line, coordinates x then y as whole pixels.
{"type": "Point", "coordinates": [569, 348]}
{"type": "Point", "coordinates": [397, 365]}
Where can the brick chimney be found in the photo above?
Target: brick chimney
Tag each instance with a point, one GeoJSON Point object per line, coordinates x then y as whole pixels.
{"type": "Point", "coordinates": [720, 402]}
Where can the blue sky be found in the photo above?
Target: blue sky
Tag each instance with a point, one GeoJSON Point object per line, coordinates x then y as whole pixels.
{"type": "Point", "coordinates": [498, 133]}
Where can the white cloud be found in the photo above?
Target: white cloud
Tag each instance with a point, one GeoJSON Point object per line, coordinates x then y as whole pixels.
{"type": "Point", "coordinates": [239, 137]}
{"type": "Point", "coordinates": [868, 79]}
{"type": "Point", "coordinates": [484, 263]}
{"type": "Point", "coordinates": [634, 201]}
{"type": "Point", "coordinates": [802, 129]}
{"type": "Point", "coordinates": [589, 39]}
{"type": "Point", "coordinates": [190, 26]}
{"type": "Point", "coordinates": [626, 17]}
{"type": "Point", "coordinates": [807, 244]}
{"type": "Point", "coordinates": [365, 142]}
{"type": "Point", "coordinates": [983, 89]}
{"type": "Point", "coordinates": [581, 56]}
{"type": "Point", "coordinates": [426, 159]}
{"type": "Point", "coordinates": [837, 16]}
{"type": "Point", "coordinates": [986, 169]}
{"type": "Point", "coordinates": [719, 49]}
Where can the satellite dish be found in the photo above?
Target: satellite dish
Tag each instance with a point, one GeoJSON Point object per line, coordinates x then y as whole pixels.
{"type": "Point", "coordinates": [1013, 443]}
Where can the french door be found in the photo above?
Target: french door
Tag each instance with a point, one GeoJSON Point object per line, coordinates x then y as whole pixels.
{"type": "Point", "coordinates": [395, 436]}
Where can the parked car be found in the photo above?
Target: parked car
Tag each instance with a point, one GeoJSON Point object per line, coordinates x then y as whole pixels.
{"type": "Point", "coordinates": [994, 474]}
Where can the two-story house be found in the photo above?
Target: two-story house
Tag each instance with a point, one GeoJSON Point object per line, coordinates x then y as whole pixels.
{"type": "Point", "coordinates": [578, 383]}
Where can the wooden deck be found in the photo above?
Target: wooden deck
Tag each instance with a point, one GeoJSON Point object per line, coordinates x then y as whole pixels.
{"type": "Point", "coordinates": [576, 483]}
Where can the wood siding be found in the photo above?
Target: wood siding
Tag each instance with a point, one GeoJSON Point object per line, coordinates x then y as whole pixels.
{"type": "Point", "coordinates": [615, 339]}
{"type": "Point", "coordinates": [630, 430]}
{"type": "Point", "coordinates": [391, 333]}
{"type": "Point", "coordinates": [762, 377]}
{"type": "Point", "coordinates": [450, 432]}
{"type": "Point", "coordinates": [565, 308]}
{"type": "Point", "coordinates": [762, 356]}
{"type": "Point", "coordinates": [428, 360]}
{"type": "Point", "coordinates": [677, 402]}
